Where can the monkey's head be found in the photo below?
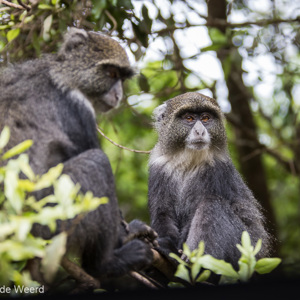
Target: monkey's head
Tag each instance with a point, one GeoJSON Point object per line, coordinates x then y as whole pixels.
{"type": "Point", "coordinates": [190, 121]}
{"type": "Point", "coordinates": [93, 64]}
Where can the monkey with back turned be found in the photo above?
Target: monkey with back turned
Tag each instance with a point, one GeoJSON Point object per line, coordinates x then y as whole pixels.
{"type": "Point", "coordinates": [51, 101]}
{"type": "Point", "coordinates": [195, 192]}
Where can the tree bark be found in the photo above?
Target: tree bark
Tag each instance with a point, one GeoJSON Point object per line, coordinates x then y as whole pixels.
{"type": "Point", "coordinates": [250, 157]}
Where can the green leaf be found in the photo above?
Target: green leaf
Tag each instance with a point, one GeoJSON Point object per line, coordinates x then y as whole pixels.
{"type": "Point", "coordinates": [98, 7]}
{"type": "Point", "coordinates": [246, 241]}
{"type": "Point", "coordinates": [227, 280]}
{"type": "Point", "coordinates": [45, 6]}
{"type": "Point", "coordinates": [266, 265]}
{"type": "Point", "coordinates": [186, 250]}
{"type": "Point", "coordinates": [219, 267]}
{"type": "Point", "coordinates": [201, 247]}
{"type": "Point", "coordinates": [54, 253]}
{"type": "Point", "coordinates": [14, 196]}
{"type": "Point", "coordinates": [25, 167]}
{"type": "Point", "coordinates": [217, 36]}
{"type": "Point", "coordinates": [203, 276]}
{"type": "Point", "coordinates": [143, 83]}
{"type": "Point", "coordinates": [226, 63]}
{"type": "Point", "coordinates": [244, 272]}
{"type": "Point", "coordinates": [183, 273]}
{"type": "Point", "coordinates": [213, 47]}
{"type": "Point", "coordinates": [12, 34]}
{"type": "Point", "coordinates": [146, 18]}
{"type": "Point", "coordinates": [17, 149]}
{"type": "Point", "coordinates": [7, 229]}
{"type": "Point", "coordinates": [4, 137]}
{"type": "Point", "coordinates": [173, 255]}
{"type": "Point", "coordinates": [29, 19]}
{"type": "Point", "coordinates": [195, 269]}
{"type": "Point", "coordinates": [47, 27]}
{"type": "Point", "coordinates": [257, 247]}
{"type": "Point", "coordinates": [17, 251]}
{"type": "Point", "coordinates": [48, 178]}
{"type": "Point", "coordinates": [242, 250]}
{"type": "Point", "coordinates": [24, 279]}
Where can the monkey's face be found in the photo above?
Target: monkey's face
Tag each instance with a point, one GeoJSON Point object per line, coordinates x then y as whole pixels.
{"type": "Point", "coordinates": [197, 124]}
{"type": "Point", "coordinates": [190, 121]}
{"type": "Point", "coordinates": [106, 90]}
{"type": "Point", "coordinates": [94, 64]}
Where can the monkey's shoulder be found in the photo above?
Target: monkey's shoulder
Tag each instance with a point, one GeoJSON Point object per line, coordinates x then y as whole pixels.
{"type": "Point", "coordinates": [28, 71]}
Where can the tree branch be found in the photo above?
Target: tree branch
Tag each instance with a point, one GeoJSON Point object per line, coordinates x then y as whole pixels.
{"type": "Point", "coordinates": [85, 280]}
{"type": "Point", "coordinates": [224, 24]}
{"type": "Point", "coordinates": [28, 8]}
{"type": "Point", "coordinates": [12, 4]}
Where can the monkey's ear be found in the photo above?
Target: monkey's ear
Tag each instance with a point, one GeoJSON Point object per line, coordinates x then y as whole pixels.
{"type": "Point", "coordinates": [159, 112]}
{"type": "Point", "coordinates": [74, 38]}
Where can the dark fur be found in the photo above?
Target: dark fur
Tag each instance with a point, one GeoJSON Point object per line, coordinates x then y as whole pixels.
{"type": "Point", "coordinates": [36, 102]}
{"type": "Point", "coordinates": [203, 199]}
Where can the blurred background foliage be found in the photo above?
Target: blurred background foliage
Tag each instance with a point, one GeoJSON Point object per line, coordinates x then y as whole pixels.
{"type": "Point", "coordinates": [243, 53]}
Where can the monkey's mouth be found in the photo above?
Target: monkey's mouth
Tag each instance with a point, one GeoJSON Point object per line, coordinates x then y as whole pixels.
{"type": "Point", "coordinates": [99, 105]}
{"type": "Point", "coordinates": [198, 144]}
{"type": "Point", "coordinates": [102, 107]}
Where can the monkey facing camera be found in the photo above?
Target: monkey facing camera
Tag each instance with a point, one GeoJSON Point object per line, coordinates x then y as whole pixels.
{"type": "Point", "coordinates": [195, 192]}
{"type": "Point", "coordinates": [52, 101]}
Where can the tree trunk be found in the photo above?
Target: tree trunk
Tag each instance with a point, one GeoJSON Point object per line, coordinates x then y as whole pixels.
{"type": "Point", "coordinates": [250, 156]}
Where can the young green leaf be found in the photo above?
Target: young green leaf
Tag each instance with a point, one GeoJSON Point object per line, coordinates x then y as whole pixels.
{"type": "Point", "coordinates": [183, 273]}
{"type": "Point", "coordinates": [203, 276]}
{"type": "Point", "coordinates": [186, 250]}
{"type": "Point", "coordinates": [246, 241]}
{"type": "Point", "coordinates": [48, 178]}
{"type": "Point", "coordinates": [245, 272]}
{"type": "Point", "coordinates": [257, 247]}
{"type": "Point", "coordinates": [54, 253]}
{"type": "Point", "coordinates": [218, 266]}
{"type": "Point", "coordinates": [266, 265]}
{"type": "Point", "coordinates": [173, 255]}
{"type": "Point", "coordinates": [4, 137]}
{"type": "Point", "coordinates": [12, 34]}
{"type": "Point", "coordinates": [17, 149]}
{"type": "Point", "coordinates": [195, 269]}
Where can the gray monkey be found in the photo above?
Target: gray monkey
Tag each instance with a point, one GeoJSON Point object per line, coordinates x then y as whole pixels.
{"type": "Point", "coordinates": [195, 192]}
{"type": "Point", "coordinates": [52, 101]}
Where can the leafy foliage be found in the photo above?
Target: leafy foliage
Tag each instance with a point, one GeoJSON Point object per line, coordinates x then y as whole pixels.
{"type": "Point", "coordinates": [20, 212]}
{"type": "Point", "coordinates": [199, 266]}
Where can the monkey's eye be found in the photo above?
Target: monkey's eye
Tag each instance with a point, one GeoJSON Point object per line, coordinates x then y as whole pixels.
{"type": "Point", "coordinates": [189, 118]}
{"type": "Point", "coordinates": [113, 74]}
{"type": "Point", "coordinates": [205, 118]}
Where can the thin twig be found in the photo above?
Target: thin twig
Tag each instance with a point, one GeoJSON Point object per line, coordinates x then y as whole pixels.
{"type": "Point", "coordinates": [11, 4]}
{"type": "Point", "coordinates": [115, 24]}
{"type": "Point", "coordinates": [224, 23]}
{"type": "Point", "coordinates": [163, 265]}
{"type": "Point", "coordinates": [28, 8]}
{"type": "Point", "coordinates": [86, 281]}
{"type": "Point", "coordinates": [120, 146]}
{"type": "Point", "coordinates": [142, 279]}
{"type": "Point", "coordinates": [4, 8]}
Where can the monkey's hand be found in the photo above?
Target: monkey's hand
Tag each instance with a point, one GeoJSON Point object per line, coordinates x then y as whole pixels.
{"type": "Point", "coordinates": [165, 247]}
{"type": "Point", "coordinates": [139, 230]}
{"type": "Point", "coordinates": [183, 256]}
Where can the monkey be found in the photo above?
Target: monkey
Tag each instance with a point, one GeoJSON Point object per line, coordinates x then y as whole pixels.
{"type": "Point", "coordinates": [195, 192]}
{"type": "Point", "coordinates": [53, 101]}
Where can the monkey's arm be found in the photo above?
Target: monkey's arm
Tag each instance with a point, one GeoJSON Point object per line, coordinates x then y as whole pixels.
{"type": "Point", "coordinates": [162, 213]}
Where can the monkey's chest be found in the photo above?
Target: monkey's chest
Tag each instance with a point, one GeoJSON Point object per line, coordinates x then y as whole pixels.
{"type": "Point", "coordinates": [186, 201]}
